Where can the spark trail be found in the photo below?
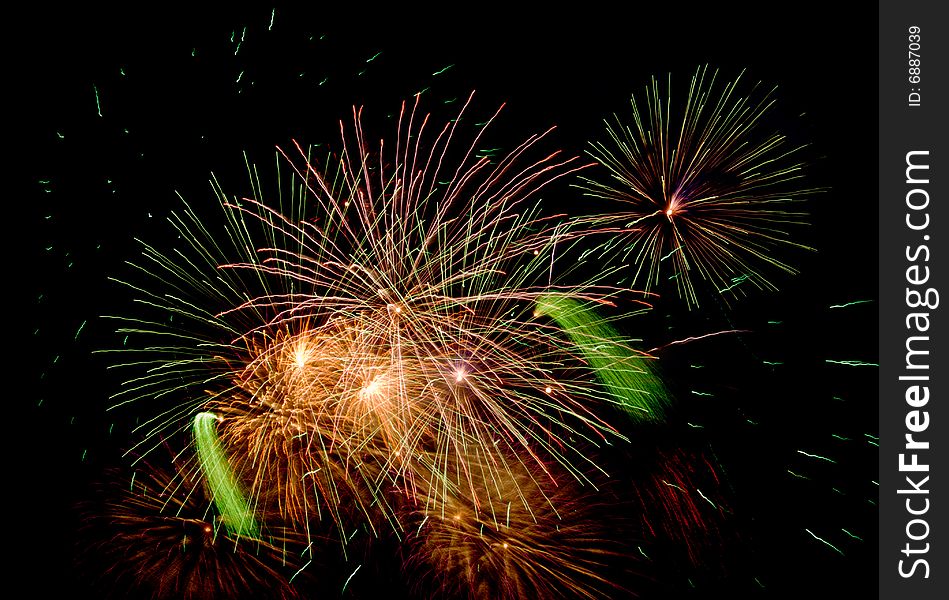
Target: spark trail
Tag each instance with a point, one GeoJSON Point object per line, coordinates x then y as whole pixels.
{"type": "Point", "coordinates": [625, 372]}
{"type": "Point", "coordinates": [236, 513]}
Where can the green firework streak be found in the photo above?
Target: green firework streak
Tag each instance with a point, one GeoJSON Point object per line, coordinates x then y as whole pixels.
{"type": "Point", "coordinates": [237, 515]}
{"type": "Point", "coordinates": [628, 377]}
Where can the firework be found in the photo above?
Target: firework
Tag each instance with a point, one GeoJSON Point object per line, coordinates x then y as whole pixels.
{"type": "Point", "coordinates": [512, 533]}
{"type": "Point", "coordinates": [677, 515]}
{"type": "Point", "coordinates": [378, 311]}
{"type": "Point", "coordinates": [156, 535]}
{"type": "Point", "coordinates": [706, 189]}
{"type": "Point", "coordinates": [306, 426]}
{"type": "Point", "coordinates": [627, 374]}
{"type": "Point", "coordinates": [237, 516]}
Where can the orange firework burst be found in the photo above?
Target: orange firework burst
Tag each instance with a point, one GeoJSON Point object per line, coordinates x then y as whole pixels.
{"type": "Point", "coordinates": [512, 533]}
{"type": "Point", "coordinates": [374, 323]}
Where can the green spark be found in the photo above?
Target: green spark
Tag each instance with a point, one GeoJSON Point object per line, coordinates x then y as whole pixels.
{"type": "Point", "coordinates": [849, 304]}
{"type": "Point", "coordinates": [840, 437]}
{"type": "Point", "coordinates": [670, 254]}
{"type": "Point", "coordinates": [300, 570]}
{"type": "Point", "coordinates": [775, 322]}
{"type": "Point", "coordinates": [237, 515]}
{"type": "Point", "coordinates": [348, 578]}
{"type": "Point", "coordinates": [238, 49]}
{"type": "Point", "coordinates": [856, 537]}
{"type": "Point", "coordinates": [697, 393]}
{"type": "Point", "coordinates": [772, 363]}
{"type": "Point", "coordinates": [98, 106]}
{"type": "Point", "coordinates": [373, 57]}
{"type": "Point", "coordinates": [273, 13]}
{"type": "Point", "coordinates": [440, 71]}
{"type": "Point", "coordinates": [626, 375]}
{"type": "Point", "coordinates": [798, 476]}
{"type": "Point", "coordinates": [736, 281]}
{"type": "Point", "coordinates": [852, 363]}
{"type": "Point", "coordinates": [488, 151]}
{"type": "Point", "coordinates": [830, 460]}
{"type": "Point", "coordinates": [706, 498]}
{"type": "Point", "coordinates": [824, 541]}
{"type": "Point", "coordinates": [78, 331]}
{"type": "Point", "coordinates": [424, 521]}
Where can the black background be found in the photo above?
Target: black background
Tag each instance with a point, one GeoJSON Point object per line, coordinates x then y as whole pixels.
{"type": "Point", "coordinates": [89, 192]}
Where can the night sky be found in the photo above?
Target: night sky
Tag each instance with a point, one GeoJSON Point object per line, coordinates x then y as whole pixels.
{"type": "Point", "coordinates": [123, 111]}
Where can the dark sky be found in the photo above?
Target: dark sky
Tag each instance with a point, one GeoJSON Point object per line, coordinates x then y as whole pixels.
{"type": "Point", "coordinates": [169, 118]}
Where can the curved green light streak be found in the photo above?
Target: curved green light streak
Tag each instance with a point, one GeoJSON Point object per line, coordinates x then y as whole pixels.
{"type": "Point", "coordinates": [627, 376]}
{"type": "Point", "coordinates": [236, 513]}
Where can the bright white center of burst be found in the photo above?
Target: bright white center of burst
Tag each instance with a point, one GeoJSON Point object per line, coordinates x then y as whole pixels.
{"type": "Point", "coordinates": [460, 375]}
{"type": "Point", "coordinates": [301, 355]}
{"type": "Point", "coordinates": [547, 389]}
{"type": "Point", "coordinates": [373, 389]}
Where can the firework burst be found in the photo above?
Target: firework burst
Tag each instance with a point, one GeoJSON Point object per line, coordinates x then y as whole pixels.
{"type": "Point", "coordinates": [512, 534]}
{"type": "Point", "coordinates": [378, 313]}
{"type": "Point", "coordinates": [156, 535]}
{"type": "Point", "coordinates": [706, 188]}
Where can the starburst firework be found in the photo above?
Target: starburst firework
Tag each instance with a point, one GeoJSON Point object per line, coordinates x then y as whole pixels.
{"type": "Point", "coordinates": [705, 187]}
